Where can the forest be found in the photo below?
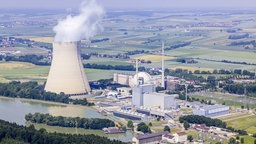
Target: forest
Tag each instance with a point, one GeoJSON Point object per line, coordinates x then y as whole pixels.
{"type": "Point", "coordinates": [32, 90]}
{"type": "Point", "coordinates": [13, 133]}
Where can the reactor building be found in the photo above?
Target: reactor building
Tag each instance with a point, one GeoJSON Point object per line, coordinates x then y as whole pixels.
{"type": "Point", "coordinates": [67, 73]}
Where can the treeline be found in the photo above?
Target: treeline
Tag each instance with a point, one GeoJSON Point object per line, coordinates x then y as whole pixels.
{"type": "Point", "coordinates": [240, 88]}
{"type": "Point", "coordinates": [182, 44]}
{"type": "Point", "coordinates": [99, 40]}
{"type": "Point", "coordinates": [234, 62]}
{"type": "Point", "coordinates": [21, 134]}
{"type": "Point", "coordinates": [113, 67]}
{"type": "Point", "coordinates": [236, 43]}
{"type": "Point", "coordinates": [34, 59]}
{"type": "Point", "coordinates": [222, 71]}
{"type": "Point", "coordinates": [32, 90]}
{"type": "Point", "coordinates": [85, 56]}
{"type": "Point", "coordinates": [196, 119]}
{"type": "Point", "coordinates": [238, 36]}
{"type": "Point", "coordinates": [86, 123]}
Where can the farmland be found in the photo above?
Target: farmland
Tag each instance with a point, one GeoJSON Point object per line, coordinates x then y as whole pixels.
{"type": "Point", "coordinates": [210, 44]}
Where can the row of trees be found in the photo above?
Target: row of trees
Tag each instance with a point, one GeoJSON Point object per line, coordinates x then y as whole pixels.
{"type": "Point", "coordinates": [113, 67]}
{"type": "Point", "coordinates": [34, 59]}
{"type": "Point", "coordinates": [86, 123]}
{"type": "Point", "coordinates": [238, 36]}
{"type": "Point", "coordinates": [195, 119]}
{"type": "Point", "coordinates": [32, 90]}
{"type": "Point", "coordinates": [11, 132]}
{"type": "Point", "coordinates": [240, 89]}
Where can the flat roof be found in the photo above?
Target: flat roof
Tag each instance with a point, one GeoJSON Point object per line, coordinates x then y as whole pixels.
{"type": "Point", "coordinates": [160, 94]}
{"type": "Point", "coordinates": [210, 107]}
{"type": "Point", "coordinates": [146, 136]}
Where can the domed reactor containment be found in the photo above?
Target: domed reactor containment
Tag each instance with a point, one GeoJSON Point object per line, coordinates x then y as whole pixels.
{"type": "Point", "coordinates": [67, 73]}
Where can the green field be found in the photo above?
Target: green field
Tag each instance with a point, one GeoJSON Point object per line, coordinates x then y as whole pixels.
{"type": "Point", "coordinates": [25, 72]}
{"type": "Point", "coordinates": [229, 99]}
{"type": "Point", "coordinates": [245, 122]}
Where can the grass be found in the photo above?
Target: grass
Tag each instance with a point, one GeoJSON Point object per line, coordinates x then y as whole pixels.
{"type": "Point", "coordinates": [42, 39]}
{"type": "Point", "coordinates": [249, 139]}
{"type": "Point", "coordinates": [229, 99]}
{"type": "Point", "coordinates": [57, 129]}
{"type": "Point", "coordinates": [153, 58]}
{"type": "Point", "coordinates": [123, 137]}
{"type": "Point", "coordinates": [247, 123]}
{"type": "Point", "coordinates": [15, 65]}
{"type": "Point", "coordinates": [26, 71]}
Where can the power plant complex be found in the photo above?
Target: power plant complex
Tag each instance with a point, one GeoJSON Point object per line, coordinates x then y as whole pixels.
{"type": "Point", "coordinates": [67, 73]}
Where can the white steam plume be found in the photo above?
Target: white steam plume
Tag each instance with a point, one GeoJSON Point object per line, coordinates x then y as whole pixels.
{"type": "Point", "coordinates": [82, 26]}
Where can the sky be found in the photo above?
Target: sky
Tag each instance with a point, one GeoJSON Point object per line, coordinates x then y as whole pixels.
{"type": "Point", "coordinates": [130, 4]}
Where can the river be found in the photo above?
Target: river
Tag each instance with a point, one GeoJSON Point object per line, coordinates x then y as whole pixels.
{"type": "Point", "coordinates": [14, 110]}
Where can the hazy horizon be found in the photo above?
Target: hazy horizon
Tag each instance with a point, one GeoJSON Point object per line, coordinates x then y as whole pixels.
{"type": "Point", "coordinates": [132, 4]}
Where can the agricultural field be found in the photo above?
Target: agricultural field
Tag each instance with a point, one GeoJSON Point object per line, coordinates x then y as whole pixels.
{"type": "Point", "coordinates": [153, 58]}
{"type": "Point", "coordinates": [243, 122]}
{"type": "Point", "coordinates": [42, 39]}
{"type": "Point", "coordinates": [26, 72]}
{"type": "Point", "coordinates": [146, 31]}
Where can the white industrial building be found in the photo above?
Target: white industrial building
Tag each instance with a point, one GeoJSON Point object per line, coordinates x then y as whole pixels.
{"type": "Point", "coordinates": [159, 100]}
{"type": "Point", "coordinates": [145, 95]}
{"type": "Point", "coordinates": [130, 80]}
{"type": "Point", "coordinates": [139, 91]}
{"type": "Point", "coordinates": [123, 79]}
{"type": "Point", "coordinates": [211, 110]}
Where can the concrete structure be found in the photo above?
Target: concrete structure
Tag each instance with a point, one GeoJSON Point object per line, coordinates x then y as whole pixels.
{"type": "Point", "coordinates": [123, 79]}
{"type": "Point", "coordinates": [128, 114]}
{"type": "Point", "coordinates": [211, 110]}
{"type": "Point", "coordinates": [124, 91]}
{"type": "Point", "coordinates": [165, 114]}
{"type": "Point", "coordinates": [180, 137]}
{"type": "Point", "coordinates": [132, 80]}
{"type": "Point", "coordinates": [67, 73]}
{"type": "Point", "coordinates": [138, 92]}
{"type": "Point", "coordinates": [159, 100]}
{"type": "Point", "coordinates": [149, 138]}
{"type": "Point", "coordinates": [113, 130]}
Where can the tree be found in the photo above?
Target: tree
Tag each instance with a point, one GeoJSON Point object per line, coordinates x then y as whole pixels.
{"type": "Point", "coordinates": [242, 140]}
{"type": "Point", "coordinates": [186, 125]}
{"type": "Point", "coordinates": [255, 141]}
{"type": "Point", "coordinates": [130, 124]}
{"type": "Point", "coordinates": [167, 128]}
{"type": "Point", "coordinates": [232, 141]}
{"type": "Point", "coordinates": [190, 138]}
{"type": "Point", "coordinates": [150, 124]}
{"type": "Point", "coordinates": [143, 128]}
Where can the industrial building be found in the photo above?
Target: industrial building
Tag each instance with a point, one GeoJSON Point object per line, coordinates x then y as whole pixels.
{"type": "Point", "coordinates": [211, 110]}
{"type": "Point", "coordinates": [130, 80]}
{"type": "Point", "coordinates": [149, 138]}
{"type": "Point", "coordinates": [128, 114]}
{"type": "Point", "coordinates": [138, 92]}
{"type": "Point", "coordinates": [67, 73]}
{"type": "Point", "coordinates": [155, 112]}
{"type": "Point", "coordinates": [123, 79]}
{"type": "Point", "coordinates": [159, 100]}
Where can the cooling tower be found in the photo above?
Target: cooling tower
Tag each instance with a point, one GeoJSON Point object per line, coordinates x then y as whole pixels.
{"type": "Point", "coordinates": [67, 73]}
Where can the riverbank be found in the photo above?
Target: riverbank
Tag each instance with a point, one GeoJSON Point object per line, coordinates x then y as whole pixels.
{"type": "Point", "coordinates": [125, 137]}
{"type": "Point", "coordinates": [53, 108]}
